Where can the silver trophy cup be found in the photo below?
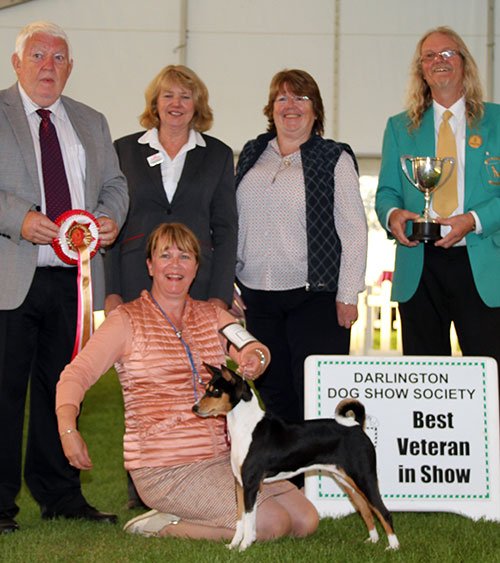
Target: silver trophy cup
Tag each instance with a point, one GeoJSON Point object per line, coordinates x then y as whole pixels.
{"type": "Point", "coordinates": [427, 177]}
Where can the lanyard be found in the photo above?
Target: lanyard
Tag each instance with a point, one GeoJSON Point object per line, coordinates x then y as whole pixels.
{"type": "Point", "coordinates": [178, 333]}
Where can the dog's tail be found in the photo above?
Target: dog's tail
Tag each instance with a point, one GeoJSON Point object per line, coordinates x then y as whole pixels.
{"type": "Point", "coordinates": [350, 412]}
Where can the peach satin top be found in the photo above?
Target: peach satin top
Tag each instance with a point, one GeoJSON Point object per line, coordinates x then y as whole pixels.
{"type": "Point", "coordinates": [157, 379]}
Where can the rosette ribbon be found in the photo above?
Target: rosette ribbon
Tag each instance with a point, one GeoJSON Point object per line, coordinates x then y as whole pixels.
{"type": "Point", "coordinates": [77, 243]}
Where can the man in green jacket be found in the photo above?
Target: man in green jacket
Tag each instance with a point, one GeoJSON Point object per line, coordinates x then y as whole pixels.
{"type": "Point", "coordinates": [456, 278]}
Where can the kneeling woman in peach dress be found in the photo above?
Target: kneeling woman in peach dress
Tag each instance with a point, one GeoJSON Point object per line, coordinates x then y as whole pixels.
{"type": "Point", "coordinates": [179, 462]}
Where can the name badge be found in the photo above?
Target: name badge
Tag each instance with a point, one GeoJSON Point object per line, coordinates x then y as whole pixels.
{"type": "Point", "coordinates": [155, 159]}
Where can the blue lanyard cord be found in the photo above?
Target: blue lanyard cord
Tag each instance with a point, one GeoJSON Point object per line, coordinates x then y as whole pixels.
{"type": "Point", "coordinates": [178, 333]}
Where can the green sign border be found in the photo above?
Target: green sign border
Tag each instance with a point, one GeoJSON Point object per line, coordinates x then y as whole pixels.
{"type": "Point", "coordinates": [451, 363]}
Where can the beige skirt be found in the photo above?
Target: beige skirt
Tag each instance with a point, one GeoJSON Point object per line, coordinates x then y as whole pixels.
{"type": "Point", "coordinates": [202, 492]}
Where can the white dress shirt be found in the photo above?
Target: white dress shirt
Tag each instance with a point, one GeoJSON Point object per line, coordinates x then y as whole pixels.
{"type": "Point", "coordinates": [458, 126]}
{"type": "Point", "coordinates": [74, 160]}
{"type": "Point", "coordinates": [171, 168]}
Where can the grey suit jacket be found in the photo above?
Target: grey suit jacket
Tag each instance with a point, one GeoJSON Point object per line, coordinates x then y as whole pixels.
{"type": "Point", "coordinates": [105, 190]}
{"type": "Point", "coordinates": [205, 201]}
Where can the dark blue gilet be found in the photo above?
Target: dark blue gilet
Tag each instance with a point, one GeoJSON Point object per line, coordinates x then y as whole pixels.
{"type": "Point", "coordinates": [319, 158]}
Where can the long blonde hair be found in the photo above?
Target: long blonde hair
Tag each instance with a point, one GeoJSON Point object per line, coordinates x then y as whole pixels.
{"type": "Point", "coordinates": [419, 97]}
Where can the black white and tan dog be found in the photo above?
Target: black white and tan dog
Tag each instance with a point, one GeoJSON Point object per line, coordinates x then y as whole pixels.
{"type": "Point", "coordinates": [266, 448]}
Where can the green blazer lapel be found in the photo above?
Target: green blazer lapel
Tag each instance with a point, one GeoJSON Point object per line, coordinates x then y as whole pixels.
{"type": "Point", "coordinates": [474, 160]}
{"type": "Point", "coordinates": [425, 140]}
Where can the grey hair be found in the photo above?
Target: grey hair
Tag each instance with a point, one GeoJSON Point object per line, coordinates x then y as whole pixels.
{"type": "Point", "coordinates": [46, 27]}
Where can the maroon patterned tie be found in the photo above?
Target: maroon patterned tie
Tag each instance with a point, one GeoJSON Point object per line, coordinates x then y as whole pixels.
{"type": "Point", "coordinates": [57, 196]}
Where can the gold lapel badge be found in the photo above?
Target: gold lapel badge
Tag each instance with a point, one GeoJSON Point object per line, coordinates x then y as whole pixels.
{"type": "Point", "coordinates": [475, 141]}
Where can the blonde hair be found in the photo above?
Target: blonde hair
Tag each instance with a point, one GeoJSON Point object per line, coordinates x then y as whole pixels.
{"type": "Point", "coordinates": [168, 234]}
{"type": "Point", "coordinates": [419, 96]}
{"type": "Point", "coordinates": [185, 77]}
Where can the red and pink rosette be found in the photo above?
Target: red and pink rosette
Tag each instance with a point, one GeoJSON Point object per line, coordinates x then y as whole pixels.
{"type": "Point", "coordinates": [77, 243]}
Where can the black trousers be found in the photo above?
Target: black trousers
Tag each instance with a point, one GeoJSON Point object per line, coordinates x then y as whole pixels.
{"type": "Point", "coordinates": [294, 324]}
{"type": "Point", "coordinates": [36, 343]}
{"type": "Point", "coordinates": [447, 293]}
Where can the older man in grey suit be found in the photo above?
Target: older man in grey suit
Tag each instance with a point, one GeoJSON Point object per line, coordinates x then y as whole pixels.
{"type": "Point", "coordinates": [38, 298]}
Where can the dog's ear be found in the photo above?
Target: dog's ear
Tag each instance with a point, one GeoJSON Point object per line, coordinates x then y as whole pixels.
{"type": "Point", "coordinates": [228, 374]}
{"type": "Point", "coordinates": [211, 369]}
{"type": "Point", "coordinates": [247, 391]}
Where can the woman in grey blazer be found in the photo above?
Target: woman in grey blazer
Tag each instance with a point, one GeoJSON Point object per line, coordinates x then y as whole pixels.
{"type": "Point", "coordinates": [176, 174]}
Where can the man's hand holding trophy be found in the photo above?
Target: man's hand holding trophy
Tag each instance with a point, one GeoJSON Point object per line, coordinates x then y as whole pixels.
{"type": "Point", "coordinates": [427, 177]}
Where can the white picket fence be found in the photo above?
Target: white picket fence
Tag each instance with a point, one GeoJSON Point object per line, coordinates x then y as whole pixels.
{"type": "Point", "coordinates": [379, 323]}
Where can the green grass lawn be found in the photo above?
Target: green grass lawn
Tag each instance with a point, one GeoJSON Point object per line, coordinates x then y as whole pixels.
{"type": "Point", "coordinates": [424, 537]}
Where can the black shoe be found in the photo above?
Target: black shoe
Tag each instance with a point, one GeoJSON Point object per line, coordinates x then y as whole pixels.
{"type": "Point", "coordinates": [85, 512]}
{"type": "Point", "coordinates": [8, 525]}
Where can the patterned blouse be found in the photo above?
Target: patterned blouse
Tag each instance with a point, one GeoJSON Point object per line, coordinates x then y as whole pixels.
{"type": "Point", "coordinates": [272, 241]}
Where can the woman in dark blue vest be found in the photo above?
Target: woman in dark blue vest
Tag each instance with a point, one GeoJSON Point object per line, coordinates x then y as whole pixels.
{"type": "Point", "coordinates": [302, 239]}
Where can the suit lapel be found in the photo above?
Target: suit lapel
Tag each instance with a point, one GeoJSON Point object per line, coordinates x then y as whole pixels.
{"type": "Point", "coordinates": [16, 116]}
{"type": "Point", "coordinates": [153, 172]}
{"type": "Point", "coordinates": [424, 136]}
{"type": "Point", "coordinates": [474, 157]}
{"type": "Point", "coordinates": [194, 159]}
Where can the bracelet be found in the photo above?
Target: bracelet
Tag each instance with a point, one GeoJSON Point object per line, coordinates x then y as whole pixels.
{"type": "Point", "coordinates": [67, 432]}
{"type": "Point", "coordinates": [262, 357]}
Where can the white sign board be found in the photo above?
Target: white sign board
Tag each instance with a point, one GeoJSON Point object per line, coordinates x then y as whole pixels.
{"type": "Point", "coordinates": [434, 423]}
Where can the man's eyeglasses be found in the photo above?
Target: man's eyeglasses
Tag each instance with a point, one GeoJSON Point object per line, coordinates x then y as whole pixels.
{"type": "Point", "coordinates": [294, 99]}
{"type": "Point", "coordinates": [432, 56]}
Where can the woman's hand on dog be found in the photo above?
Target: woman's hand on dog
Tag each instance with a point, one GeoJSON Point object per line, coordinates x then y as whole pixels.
{"type": "Point", "coordinates": [251, 364]}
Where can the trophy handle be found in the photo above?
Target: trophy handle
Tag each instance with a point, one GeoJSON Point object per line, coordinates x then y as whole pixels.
{"type": "Point", "coordinates": [451, 160]}
{"type": "Point", "coordinates": [404, 159]}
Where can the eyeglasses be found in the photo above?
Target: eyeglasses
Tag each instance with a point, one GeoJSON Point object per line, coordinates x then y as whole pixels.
{"type": "Point", "coordinates": [432, 56]}
{"type": "Point", "coordinates": [294, 99]}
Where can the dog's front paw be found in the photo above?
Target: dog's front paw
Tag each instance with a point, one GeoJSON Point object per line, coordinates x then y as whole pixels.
{"type": "Point", "coordinates": [244, 544]}
{"type": "Point", "coordinates": [235, 542]}
{"type": "Point", "coordinates": [238, 535]}
{"type": "Point", "coordinates": [249, 538]}
{"type": "Point", "coordinates": [240, 546]}
{"type": "Point", "coordinates": [239, 543]}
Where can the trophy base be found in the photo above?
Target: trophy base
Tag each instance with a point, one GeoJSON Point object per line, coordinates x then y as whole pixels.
{"type": "Point", "coordinates": [425, 231]}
